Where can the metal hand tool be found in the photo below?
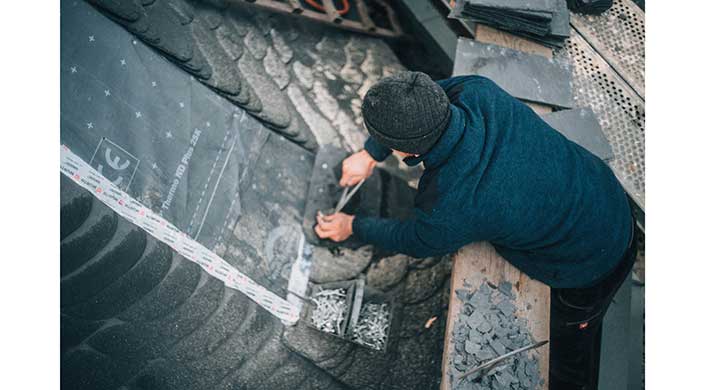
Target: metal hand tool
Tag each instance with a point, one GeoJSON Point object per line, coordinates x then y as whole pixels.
{"type": "Point", "coordinates": [345, 198]}
{"type": "Point", "coordinates": [493, 362]}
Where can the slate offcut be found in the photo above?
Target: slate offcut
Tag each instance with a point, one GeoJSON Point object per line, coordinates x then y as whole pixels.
{"type": "Point", "coordinates": [525, 76]}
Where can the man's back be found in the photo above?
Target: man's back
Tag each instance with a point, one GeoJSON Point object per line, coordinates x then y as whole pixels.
{"type": "Point", "coordinates": [502, 174]}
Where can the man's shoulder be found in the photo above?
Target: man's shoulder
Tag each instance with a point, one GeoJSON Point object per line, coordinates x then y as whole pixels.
{"type": "Point", "coordinates": [471, 88]}
{"type": "Point", "coordinates": [456, 82]}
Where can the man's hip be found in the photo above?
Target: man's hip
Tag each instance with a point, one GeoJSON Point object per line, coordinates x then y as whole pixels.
{"type": "Point", "coordinates": [576, 325]}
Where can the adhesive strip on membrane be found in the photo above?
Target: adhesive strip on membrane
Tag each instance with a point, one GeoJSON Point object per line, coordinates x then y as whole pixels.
{"type": "Point", "coordinates": [107, 192]}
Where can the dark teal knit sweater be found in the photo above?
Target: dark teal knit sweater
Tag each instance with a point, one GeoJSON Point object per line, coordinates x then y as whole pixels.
{"type": "Point", "coordinates": [501, 174]}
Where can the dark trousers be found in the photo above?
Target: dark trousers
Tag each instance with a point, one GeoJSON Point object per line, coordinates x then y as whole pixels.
{"type": "Point", "coordinates": [576, 327]}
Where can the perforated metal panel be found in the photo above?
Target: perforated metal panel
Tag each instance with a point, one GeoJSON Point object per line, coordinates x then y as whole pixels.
{"type": "Point", "coordinates": [618, 36]}
{"type": "Point", "coordinates": [619, 109]}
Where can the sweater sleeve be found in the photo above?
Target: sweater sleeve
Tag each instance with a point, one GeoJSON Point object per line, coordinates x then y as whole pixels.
{"type": "Point", "coordinates": [378, 151]}
{"type": "Point", "coordinates": [414, 237]}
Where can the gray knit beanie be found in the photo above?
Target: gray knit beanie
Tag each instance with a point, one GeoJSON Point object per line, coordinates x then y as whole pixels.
{"type": "Point", "coordinates": [406, 111]}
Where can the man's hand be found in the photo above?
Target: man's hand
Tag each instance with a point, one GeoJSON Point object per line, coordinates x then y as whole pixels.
{"type": "Point", "coordinates": [357, 167]}
{"type": "Point", "coordinates": [337, 227]}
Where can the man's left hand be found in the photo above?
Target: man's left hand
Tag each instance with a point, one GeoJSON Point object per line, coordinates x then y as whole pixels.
{"type": "Point", "coordinates": [337, 227]}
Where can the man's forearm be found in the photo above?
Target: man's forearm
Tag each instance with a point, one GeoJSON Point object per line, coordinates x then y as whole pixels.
{"type": "Point", "coordinates": [395, 236]}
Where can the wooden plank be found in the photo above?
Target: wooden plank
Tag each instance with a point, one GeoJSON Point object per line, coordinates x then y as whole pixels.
{"type": "Point", "coordinates": [487, 34]}
{"type": "Point", "coordinates": [475, 262]}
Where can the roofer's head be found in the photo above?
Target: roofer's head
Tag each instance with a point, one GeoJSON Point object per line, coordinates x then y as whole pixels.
{"type": "Point", "coordinates": [407, 112]}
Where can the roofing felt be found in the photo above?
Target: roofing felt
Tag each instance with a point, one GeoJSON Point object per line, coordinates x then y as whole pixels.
{"type": "Point", "coordinates": [146, 111]}
{"type": "Point", "coordinates": [248, 55]}
{"type": "Point", "coordinates": [173, 144]}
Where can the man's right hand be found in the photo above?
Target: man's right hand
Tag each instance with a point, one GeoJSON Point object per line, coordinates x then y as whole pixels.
{"type": "Point", "coordinates": [357, 167]}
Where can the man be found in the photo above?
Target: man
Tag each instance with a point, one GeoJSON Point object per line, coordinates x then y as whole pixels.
{"type": "Point", "coordinates": [494, 171]}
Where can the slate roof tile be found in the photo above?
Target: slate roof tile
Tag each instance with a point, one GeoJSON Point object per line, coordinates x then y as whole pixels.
{"type": "Point", "coordinates": [173, 39]}
{"type": "Point", "coordinates": [87, 369]}
{"type": "Point", "coordinates": [141, 27]}
{"type": "Point", "coordinates": [421, 284]}
{"type": "Point", "coordinates": [213, 16]}
{"type": "Point", "coordinates": [280, 45]}
{"type": "Point", "coordinates": [329, 48]}
{"type": "Point", "coordinates": [238, 19]}
{"type": "Point", "coordinates": [265, 90]}
{"type": "Point", "coordinates": [322, 129]}
{"type": "Point", "coordinates": [225, 77]}
{"type": "Point", "coordinates": [130, 287]}
{"type": "Point", "coordinates": [298, 131]}
{"type": "Point", "coordinates": [121, 253]}
{"type": "Point", "coordinates": [182, 9]}
{"type": "Point", "coordinates": [304, 74]}
{"type": "Point", "coordinates": [174, 289]}
{"type": "Point", "coordinates": [276, 68]}
{"type": "Point", "coordinates": [387, 272]}
{"type": "Point", "coordinates": [229, 40]}
{"type": "Point", "coordinates": [125, 9]}
{"type": "Point", "coordinates": [96, 231]}
{"type": "Point", "coordinates": [256, 43]}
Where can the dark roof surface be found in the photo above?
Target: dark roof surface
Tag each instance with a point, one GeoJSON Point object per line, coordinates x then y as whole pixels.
{"type": "Point", "coordinates": [250, 57]}
{"type": "Point", "coordinates": [135, 315]}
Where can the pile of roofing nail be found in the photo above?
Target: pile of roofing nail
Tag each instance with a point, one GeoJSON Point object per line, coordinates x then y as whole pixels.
{"type": "Point", "coordinates": [486, 328]}
{"type": "Point", "coordinates": [372, 325]}
{"type": "Point", "coordinates": [545, 21]}
{"type": "Point", "coordinates": [330, 310]}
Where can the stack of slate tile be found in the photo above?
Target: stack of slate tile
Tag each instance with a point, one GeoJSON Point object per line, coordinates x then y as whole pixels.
{"type": "Point", "coordinates": [545, 21]}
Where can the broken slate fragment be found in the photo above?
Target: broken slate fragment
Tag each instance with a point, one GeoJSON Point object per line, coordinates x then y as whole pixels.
{"type": "Point", "coordinates": [486, 354]}
{"type": "Point", "coordinates": [506, 308]}
{"type": "Point", "coordinates": [472, 347]}
{"type": "Point", "coordinates": [475, 319]}
{"type": "Point", "coordinates": [484, 327]}
{"type": "Point", "coordinates": [487, 330]}
{"type": "Point", "coordinates": [479, 300]}
{"type": "Point", "coordinates": [498, 347]}
{"type": "Point", "coordinates": [506, 289]}
{"type": "Point", "coordinates": [463, 295]}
